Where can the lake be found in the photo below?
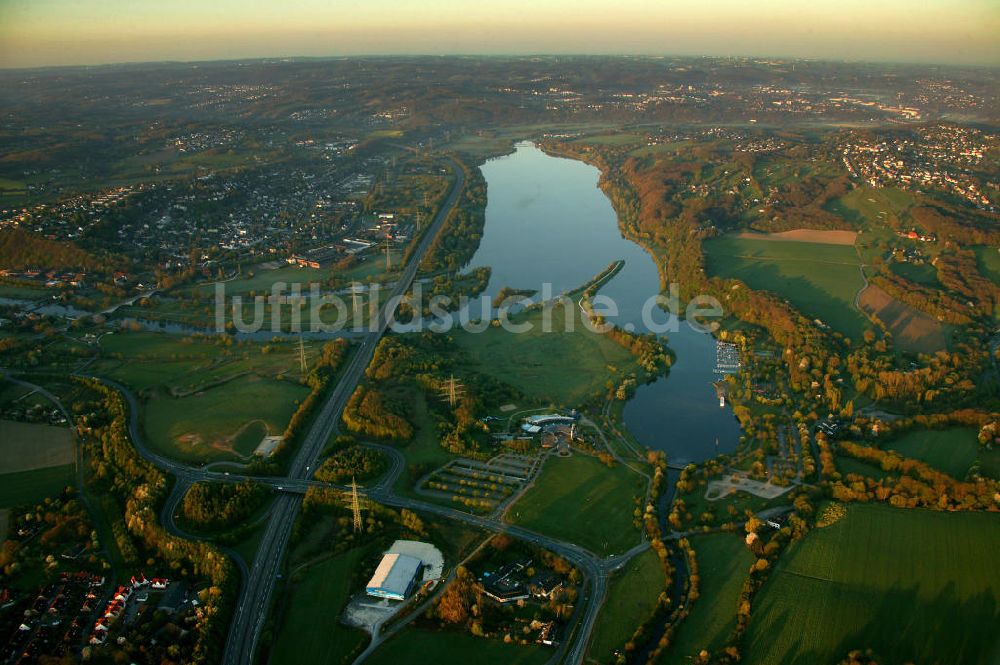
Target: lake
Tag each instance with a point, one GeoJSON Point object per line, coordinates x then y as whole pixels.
{"type": "Point", "coordinates": [548, 222]}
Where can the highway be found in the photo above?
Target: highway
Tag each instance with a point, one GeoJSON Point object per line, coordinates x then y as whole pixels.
{"type": "Point", "coordinates": [254, 602]}
{"type": "Point", "coordinates": [255, 595]}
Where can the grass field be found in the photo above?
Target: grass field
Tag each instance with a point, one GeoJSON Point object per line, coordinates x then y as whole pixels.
{"type": "Point", "coordinates": [617, 139]}
{"type": "Point", "coordinates": [631, 600]}
{"type": "Point", "coordinates": [866, 205]}
{"type": "Point", "coordinates": [950, 450]}
{"type": "Point", "coordinates": [921, 273]}
{"type": "Point", "coordinates": [27, 446]}
{"type": "Point", "coordinates": [320, 594]}
{"type": "Point", "coordinates": [988, 259]}
{"type": "Point", "coordinates": [912, 330]}
{"type": "Point", "coordinates": [821, 280]}
{"type": "Point", "coordinates": [566, 367]}
{"type": "Point", "coordinates": [29, 487]}
{"type": "Point", "coordinates": [22, 292]}
{"type": "Point", "coordinates": [581, 500]}
{"type": "Point", "coordinates": [424, 449]}
{"type": "Point", "coordinates": [203, 400]}
{"type": "Point", "coordinates": [217, 422]}
{"type": "Point", "coordinates": [416, 646]}
{"type": "Point", "coordinates": [262, 280]}
{"type": "Point", "coordinates": [846, 465]}
{"type": "Point", "coordinates": [723, 564]}
{"type": "Point", "coordinates": [914, 585]}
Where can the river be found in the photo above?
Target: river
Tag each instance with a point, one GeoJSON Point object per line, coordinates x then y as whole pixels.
{"type": "Point", "coordinates": [547, 221]}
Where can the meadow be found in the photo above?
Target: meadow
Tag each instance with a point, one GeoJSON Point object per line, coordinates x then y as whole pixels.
{"type": "Point", "coordinates": [912, 330]}
{"type": "Point", "coordinates": [227, 419]}
{"type": "Point", "coordinates": [423, 452]}
{"type": "Point", "coordinates": [564, 367]}
{"type": "Point", "coordinates": [631, 599]}
{"type": "Point", "coordinates": [866, 205]}
{"type": "Point", "coordinates": [988, 259]}
{"type": "Point", "coordinates": [319, 591]}
{"type": "Point", "coordinates": [29, 487]}
{"type": "Point", "coordinates": [846, 465]}
{"type": "Point", "coordinates": [417, 646]}
{"type": "Point", "coordinates": [723, 564]}
{"type": "Point", "coordinates": [581, 500]}
{"type": "Point", "coordinates": [913, 585]}
{"type": "Point", "coordinates": [205, 399]}
{"type": "Point", "coordinates": [820, 280]}
{"type": "Point", "coordinates": [921, 273]}
{"type": "Point", "coordinates": [29, 446]}
{"type": "Point", "coordinates": [950, 450]}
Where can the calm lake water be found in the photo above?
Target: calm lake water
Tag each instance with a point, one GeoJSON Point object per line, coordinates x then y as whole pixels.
{"type": "Point", "coordinates": [547, 221]}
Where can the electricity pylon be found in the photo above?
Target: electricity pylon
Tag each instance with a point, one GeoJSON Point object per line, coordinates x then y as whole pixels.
{"type": "Point", "coordinates": [452, 390]}
{"type": "Point", "coordinates": [356, 289]}
{"type": "Point", "coordinates": [303, 365]}
{"type": "Point", "coordinates": [355, 505]}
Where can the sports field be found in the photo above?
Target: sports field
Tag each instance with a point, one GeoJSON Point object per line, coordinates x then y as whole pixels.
{"type": "Point", "coordinates": [319, 593]}
{"type": "Point", "coordinates": [632, 596]}
{"type": "Point", "coordinates": [563, 366]}
{"type": "Point", "coordinates": [581, 500]}
{"type": "Point", "coordinates": [723, 564]}
{"type": "Point", "coordinates": [29, 446]}
{"type": "Point", "coordinates": [950, 450]}
{"type": "Point", "coordinates": [913, 585]}
{"type": "Point", "coordinates": [820, 280]}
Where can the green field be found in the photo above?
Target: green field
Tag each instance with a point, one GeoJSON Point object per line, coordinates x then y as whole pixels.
{"type": "Point", "coordinates": [950, 450]}
{"type": "Point", "coordinates": [988, 259]}
{"type": "Point", "coordinates": [617, 139]}
{"type": "Point", "coordinates": [29, 446]}
{"type": "Point", "coordinates": [913, 585]}
{"type": "Point", "coordinates": [723, 564]}
{"type": "Point", "coordinates": [631, 600]}
{"type": "Point", "coordinates": [263, 280]}
{"type": "Point", "coordinates": [865, 205]}
{"type": "Point", "coordinates": [566, 367]}
{"type": "Point", "coordinates": [309, 630]}
{"type": "Point", "coordinates": [29, 487]}
{"type": "Point", "coordinates": [846, 465]}
{"type": "Point", "coordinates": [581, 500]}
{"type": "Point", "coordinates": [820, 280]}
{"type": "Point", "coordinates": [424, 449]}
{"type": "Point", "coordinates": [204, 400]}
{"type": "Point", "coordinates": [920, 273]}
{"type": "Point", "coordinates": [416, 646]}
{"type": "Point", "coordinates": [210, 424]}
{"type": "Point", "coordinates": [22, 292]}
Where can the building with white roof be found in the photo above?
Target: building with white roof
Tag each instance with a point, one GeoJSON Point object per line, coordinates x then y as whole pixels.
{"type": "Point", "coordinates": [395, 576]}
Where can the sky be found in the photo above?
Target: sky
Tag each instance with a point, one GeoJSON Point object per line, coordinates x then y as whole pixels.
{"type": "Point", "coordinates": [85, 32]}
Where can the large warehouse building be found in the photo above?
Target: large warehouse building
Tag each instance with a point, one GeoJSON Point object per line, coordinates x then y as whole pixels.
{"type": "Point", "coordinates": [394, 577]}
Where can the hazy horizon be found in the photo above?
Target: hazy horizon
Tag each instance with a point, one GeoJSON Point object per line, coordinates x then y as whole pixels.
{"type": "Point", "coordinates": [65, 33]}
